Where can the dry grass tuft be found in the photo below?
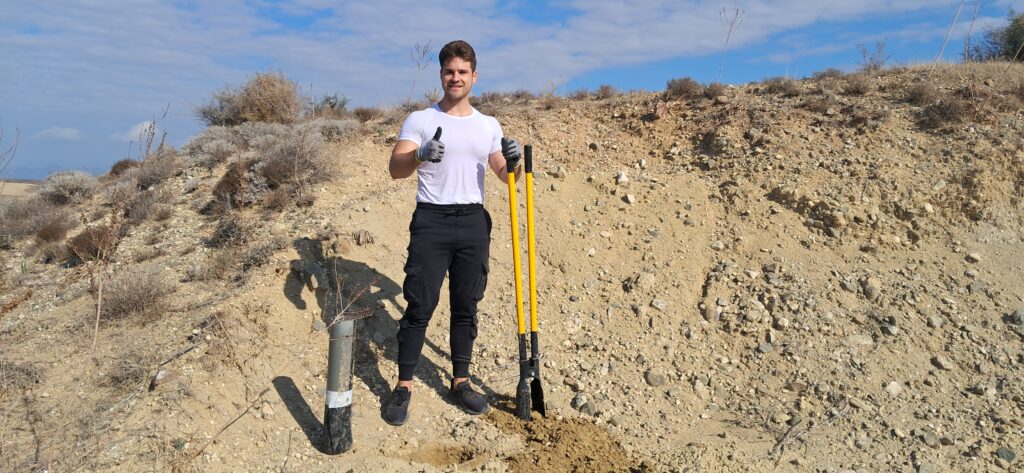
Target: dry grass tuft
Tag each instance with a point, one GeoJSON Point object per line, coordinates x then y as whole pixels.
{"type": "Point", "coordinates": [922, 94]}
{"type": "Point", "coordinates": [683, 88]}
{"type": "Point", "coordinates": [605, 92]}
{"type": "Point", "coordinates": [219, 265]}
{"type": "Point", "coordinates": [365, 114]}
{"type": "Point", "coordinates": [93, 243]}
{"type": "Point", "coordinates": [138, 294]}
{"type": "Point", "coordinates": [783, 86]}
{"type": "Point", "coordinates": [713, 90]}
{"type": "Point", "coordinates": [156, 168]}
{"type": "Point", "coordinates": [23, 217]}
{"type": "Point", "coordinates": [949, 110]}
{"type": "Point", "coordinates": [56, 229]}
{"type": "Point", "coordinates": [229, 232]}
{"type": "Point", "coordinates": [828, 74]}
{"type": "Point", "coordinates": [145, 205]}
{"type": "Point", "coordinates": [857, 84]}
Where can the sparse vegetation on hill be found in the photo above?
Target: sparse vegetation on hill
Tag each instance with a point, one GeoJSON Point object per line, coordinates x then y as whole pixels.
{"type": "Point", "coordinates": [267, 97]}
{"type": "Point", "coordinates": [791, 275]}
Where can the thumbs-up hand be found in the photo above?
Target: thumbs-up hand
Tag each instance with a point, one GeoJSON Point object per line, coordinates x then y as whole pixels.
{"type": "Point", "coordinates": [432, 150]}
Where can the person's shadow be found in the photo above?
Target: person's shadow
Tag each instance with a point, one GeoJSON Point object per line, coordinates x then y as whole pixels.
{"type": "Point", "coordinates": [321, 274]}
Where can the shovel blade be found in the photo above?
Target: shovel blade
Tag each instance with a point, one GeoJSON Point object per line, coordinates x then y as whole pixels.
{"type": "Point", "coordinates": [523, 400]}
{"type": "Point", "coordinates": [537, 397]}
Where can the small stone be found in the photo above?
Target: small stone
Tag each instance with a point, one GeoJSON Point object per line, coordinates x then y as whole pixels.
{"type": "Point", "coordinates": [621, 178]}
{"type": "Point", "coordinates": [857, 403]}
{"type": "Point", "coordinates": [594, 147]}
{"type": "Point", "coordinates": [1006, 454]}
{"type": "Point", "coordinates": [617, 420]}
{"type": "Point", "coordinates": [659, 304]}
{"type": "Point", "coordinates": [890, 330]}
{"type": "Point", "coordinates": [266, 411]}
{"type": "Point", "coordinates": [1016, 318]}
{"type": "Point", "coordinates": [162, 377]}
{"type": "Point", "coordinates": [973, 257]}
{"type": "Point", "coordinates": [578, 401]}
{"type": "Point", "coordinates": [765, 348]}
{"type": "Point", "coordinates": [558, 173]}
{"type": "Point", "coordinates": [942, 363]}
{"type": "Point", "coordinates": [872, 288]}
{"type": "Point", "coordinates": [935, 321]}
{"type": "Point", "coordinates": [718, 245]}
{"type": "Point", "coordinates": [629, 199]}
{"type": "Point", "coordinates": [655, 378]}
{"type": "Point", "coordinates": [319, 325]}
{"type": "Point", "coordinates": [894, 389]}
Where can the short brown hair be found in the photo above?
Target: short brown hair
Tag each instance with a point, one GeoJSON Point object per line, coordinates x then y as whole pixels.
{"type": "Point", "coordinates": [459, 49]}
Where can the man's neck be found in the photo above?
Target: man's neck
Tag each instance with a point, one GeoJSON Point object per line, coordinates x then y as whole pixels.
{"type": "Point", "coordinates": [458, 108]}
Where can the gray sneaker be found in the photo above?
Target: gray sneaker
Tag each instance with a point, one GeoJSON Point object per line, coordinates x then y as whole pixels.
{"type": "Point", "coordinates": [467, 399]}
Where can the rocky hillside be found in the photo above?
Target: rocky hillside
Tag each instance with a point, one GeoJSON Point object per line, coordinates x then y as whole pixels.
{"type": "Point", "coordinates": [815, 275]}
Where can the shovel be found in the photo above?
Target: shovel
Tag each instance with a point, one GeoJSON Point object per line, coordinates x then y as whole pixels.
{"type": "Point", "coordinates": [529, 390]}
{"type": "Point", "coordinates": [536, 390]}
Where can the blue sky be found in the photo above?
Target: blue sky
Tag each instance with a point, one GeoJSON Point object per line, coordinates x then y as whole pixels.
{"type": "Point", "coordinates": [80, 76]}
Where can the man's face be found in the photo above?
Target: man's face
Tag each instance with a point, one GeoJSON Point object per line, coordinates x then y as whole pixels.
{"type": "Point", "coordinates": [457, 78]}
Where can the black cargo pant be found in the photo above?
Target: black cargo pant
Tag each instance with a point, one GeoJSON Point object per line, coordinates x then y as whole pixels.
{"type": "Point", "coordinates": [452, 239]}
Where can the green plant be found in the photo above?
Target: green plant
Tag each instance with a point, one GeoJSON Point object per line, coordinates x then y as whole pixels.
{"type": "Point", "coordinates": [331, 106]}
{"type": "Point", "coordinates": [1001, 43]}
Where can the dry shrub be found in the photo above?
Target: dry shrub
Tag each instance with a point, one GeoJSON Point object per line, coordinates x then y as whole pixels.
{"type": "Point", "coordinates": [68, 187]}
{"type": "Point", "coordinates": [299, 158]}
{"type": "Point", "coordinates": [146, 254]}
{"type": "Point", "coordinates": [713, 90]}
{"type": "Point", "coordinates": [606, 91]}
{"type": "Point", "coordinates": [819, 105]}
{"type": "Point", "coordinates": [365, 114]}
{"type": "Point", "coordinates": [857, 84]}
{"type": "Point", "coordinates": [120, 192]}
{"type": "Point", "coordinates": [121, 166]}
{"type": "Point", "coordinates": [922, 94]}
{"type": "Point", "coordinates": [241, 186]}
{"type": "Point", "coordinates": [683, 88]}
{"type": "Point", "coordinates": [126, 372]}
{"type": "Point", "coordinates": [213, 146]}
{"type": "Point", "coordinates": [828, 74]}
{"type": "Point", "coordinates": [156, 168]}
{"type": "Point", "coordinates": [260, 136]}
{"type": "Point", "coordinates": [218, 266]}
{"type": "Point", "coordinates": [138, 294]}
{"type": "Point", "coordinates": [23, 217]}
{"type": "Point", "coordinates": [230, 231]}
{"type": "Point", "coordinates": [56, 229]}
{"type": "Point", "coordinates": [330, 129]}
{"type": "Point", "coordinates": [783, 86]}
{"type": "Point", "coordinates": [52, 252]}
{"type": "Point", "coordinates": [1018, 91]}
{"type": "Point", "coordinates": [267, 97]}
{"type": "Point", "coordinates": [162, 211]}
{"type": "Point", "coordinates": [143, 205]}
{"type": "Point", "coordinates": [278, 199]}
{"type": "Point", "coordinates": [947, 111]}
{"type": "Point", "coordinates": [92, 243]}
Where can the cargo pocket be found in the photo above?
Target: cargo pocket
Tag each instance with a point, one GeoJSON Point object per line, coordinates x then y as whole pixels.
{"type": "Point", "coordinates": [413, 284]}
{"type": "Point", "coordinates": [481, 283]}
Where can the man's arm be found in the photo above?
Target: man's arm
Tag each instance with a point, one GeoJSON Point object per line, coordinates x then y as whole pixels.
{"type": "Point", "coordinates": [403, 159]}
{"type": "Point", "coordinates": [497, 162]}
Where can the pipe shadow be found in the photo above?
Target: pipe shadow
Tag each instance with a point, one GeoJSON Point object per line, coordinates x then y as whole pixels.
{"type": "Point", "coordinates": [300, 411]}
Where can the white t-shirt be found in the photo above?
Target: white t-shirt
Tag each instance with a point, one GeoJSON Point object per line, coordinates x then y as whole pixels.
{"type": "Point", "coordinates": [468, 141]}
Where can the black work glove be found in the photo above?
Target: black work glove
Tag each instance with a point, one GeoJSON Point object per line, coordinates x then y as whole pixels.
{"type": "Point", "coordinates": [512, 152]}
{"type": "Point", "coordinates": [432, 150]}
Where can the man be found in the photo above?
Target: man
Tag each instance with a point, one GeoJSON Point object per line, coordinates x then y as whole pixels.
{"type": "Point", "coordinates": [450, 230]}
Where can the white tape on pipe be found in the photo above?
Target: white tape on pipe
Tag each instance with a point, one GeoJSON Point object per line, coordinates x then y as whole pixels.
{"type": "Point", "coordinates": [336, 399]}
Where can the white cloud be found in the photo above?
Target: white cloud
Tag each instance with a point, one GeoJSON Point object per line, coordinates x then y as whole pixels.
{"type": "Point", "coordinates": [138, 133]}
{"type": "Point", "coordinates": [59, 133]}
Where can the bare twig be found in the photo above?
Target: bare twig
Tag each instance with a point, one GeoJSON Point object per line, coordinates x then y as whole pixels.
{"type": "Point", "coordinates": [420, 54]}
{"type": "Point", "coordinates": [241, 413]}
{"type": "Point", "coordinates": [731, 20]}
{"type": "Point", "coordinates": [952, 24]}
{"type": "Point", "coordinates": [970, 30]}
{"type": "Point", "coordinates": [7, 156]}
